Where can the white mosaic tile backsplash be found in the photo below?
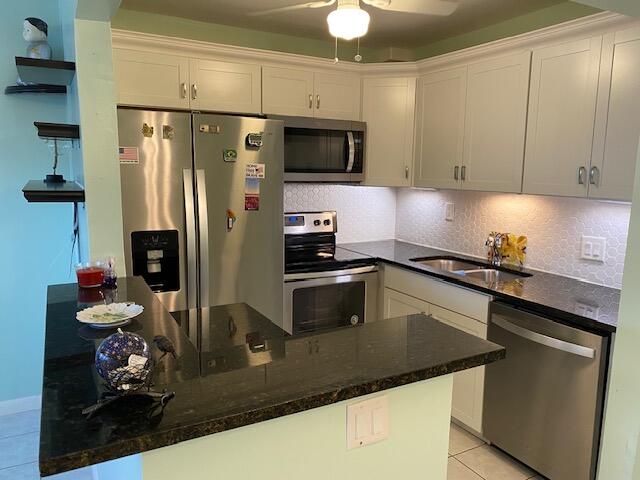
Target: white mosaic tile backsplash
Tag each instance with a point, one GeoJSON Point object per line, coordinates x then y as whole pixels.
{"type": "Point", "coordinates": [364, 213]}
{"type": "Point", "coordinates": [554, 226]}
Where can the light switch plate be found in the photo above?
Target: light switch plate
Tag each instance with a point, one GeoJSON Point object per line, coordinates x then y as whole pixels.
{"type": "Point", "coordinates": [367, 422]}
{"type": "Point", "coordinates": [593, 248]}
{"type": "Point", "coordinates": [449, 212]}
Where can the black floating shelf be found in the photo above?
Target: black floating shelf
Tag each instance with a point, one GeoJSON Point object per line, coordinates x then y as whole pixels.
{"type": "Point", "coordinates": [13, 89]}
{"type": "Point", "coordinates": [57, 130]}
{"type": "Point", "coordinates": [49, 72]}
{"type": "Point", "coordinates": [41, 191]}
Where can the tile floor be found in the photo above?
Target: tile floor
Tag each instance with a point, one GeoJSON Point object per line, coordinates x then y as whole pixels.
{"type": "Point", "coordinates": [472, 459]}
{"type": "Point", "coordinates": [469, 457]}
{"type": "Point", "coordinates": [19, 449]}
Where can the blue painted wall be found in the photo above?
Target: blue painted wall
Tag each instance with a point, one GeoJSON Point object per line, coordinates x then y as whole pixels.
{"type": "Point", "coordinates": [35, 239]}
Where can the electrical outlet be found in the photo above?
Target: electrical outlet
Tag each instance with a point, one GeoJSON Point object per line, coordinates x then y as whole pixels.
{"type": "Point", "coordinates": [593, 248]}
{"type": "Point", "coordinates": [449, 212]}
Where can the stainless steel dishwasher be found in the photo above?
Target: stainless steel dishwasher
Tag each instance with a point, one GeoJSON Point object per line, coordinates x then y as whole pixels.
{"type": "Point", "coordinates": [543, 403]}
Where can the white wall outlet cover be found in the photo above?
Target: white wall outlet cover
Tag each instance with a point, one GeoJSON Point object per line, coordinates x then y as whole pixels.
{"type": "Point", "coordinates": [367, 422]}
{"type": "Point", "coordinates": [449, 211]}
{"type": "Point", "coordinates": [593, 248]}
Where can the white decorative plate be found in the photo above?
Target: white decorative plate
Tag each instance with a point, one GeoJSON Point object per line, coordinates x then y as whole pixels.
{"type": "Point", "coordinates": [109, 316]}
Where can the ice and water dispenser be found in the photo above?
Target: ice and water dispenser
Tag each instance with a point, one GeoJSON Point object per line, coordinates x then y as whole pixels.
{"type": "Point", "coordinates": [156, 258]}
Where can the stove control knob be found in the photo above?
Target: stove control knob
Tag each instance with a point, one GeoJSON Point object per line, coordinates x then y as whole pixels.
{"type": "Point", "coordinates": [316, 223]}
{"type": "Point", "coordinates": [327, 222]}
{"type": "Point", "coordinates": [355, 319]}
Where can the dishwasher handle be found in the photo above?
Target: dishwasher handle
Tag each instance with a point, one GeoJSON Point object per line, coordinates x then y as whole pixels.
{"type": "Point", "coordinates": [545, 340]}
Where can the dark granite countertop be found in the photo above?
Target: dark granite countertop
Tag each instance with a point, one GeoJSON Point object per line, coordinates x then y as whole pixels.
{"type": "Point", "coordinates": [233, 368]}
{"type": "Point", "coordinates": [589, 306]}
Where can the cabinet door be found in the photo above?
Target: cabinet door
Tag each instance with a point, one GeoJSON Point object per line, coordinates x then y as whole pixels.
{"type": "Point", "coordinates": [151, 80]}
{"type": "Point", "coordinates": [287, 92]}
{"type": "Point", "coordinates": [336, 96]}
{"type": "Point", "coordinates": [225, 86]}
{"type": "Point", "coordinates": [468, 385]}
{"type": "Point", "coordinates": [495, 122]}
{"type": "Point", "coordinates": [617, 128]}
{"type": "Point", "coordinates": [388, 108]}
{"type": "Point", "coordinates": [440, 128]}
{"type": "Point", "coordinates": [562, 100]}
{"type": "Point", "coordinates": [398, 304]}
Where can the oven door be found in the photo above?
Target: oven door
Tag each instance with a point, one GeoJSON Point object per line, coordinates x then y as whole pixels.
{"type": "Point", "coordinates": [324, 300]}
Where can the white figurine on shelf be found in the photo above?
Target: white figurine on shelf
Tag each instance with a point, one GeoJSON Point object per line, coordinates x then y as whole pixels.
{"type": "Point", "coordinates": [35, 32]}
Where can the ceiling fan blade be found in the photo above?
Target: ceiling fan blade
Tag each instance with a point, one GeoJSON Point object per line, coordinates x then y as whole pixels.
{"type": "Point", "coordinates": [299, 6]}
{"type": "Point", "coordinates": [425, 7]}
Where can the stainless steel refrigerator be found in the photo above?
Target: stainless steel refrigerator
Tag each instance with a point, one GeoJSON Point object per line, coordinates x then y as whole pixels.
{"type": "Point", "coordinates": [202, 207]}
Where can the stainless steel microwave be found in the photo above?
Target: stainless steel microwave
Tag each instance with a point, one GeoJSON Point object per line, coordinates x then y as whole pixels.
{"type": "Point", "coordinates": [323, 150]}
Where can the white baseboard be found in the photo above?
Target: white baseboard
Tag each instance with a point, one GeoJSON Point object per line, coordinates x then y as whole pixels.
{"type": "Point", "coordinates": [18, 405]}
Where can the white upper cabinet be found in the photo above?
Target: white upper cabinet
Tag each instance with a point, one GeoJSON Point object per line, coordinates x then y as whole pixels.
{"type": "Point", "coordinates": [440, 128]}
{"type": "Point", "coordinates": [388, 108]}
{"type": "Point", "coordinates": [562, 101]}
{"type": "Point", "coordinates": [151, 79]}
{"type": "Point", "coordinates": [617, 126]}
{"type": "Point", "coordinates": [287, 92]}
{"type": "Point", "coordinates": [495, 122]}
{"type": "Point", "coordinates": [225, 86]}
{"type": "Point", "coordinates": [305, 93]}
{"type": "Point", "coordinates": [337, 95]}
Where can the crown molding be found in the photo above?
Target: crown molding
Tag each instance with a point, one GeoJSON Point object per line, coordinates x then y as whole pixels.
{"type": "Point", "coordinates": [586, 26]}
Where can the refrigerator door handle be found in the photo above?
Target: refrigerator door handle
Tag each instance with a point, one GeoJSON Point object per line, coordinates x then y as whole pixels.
{"type": "Point", "coordinates": [203, 236]}
{"type": "Point", "coordinates": [190, 224]}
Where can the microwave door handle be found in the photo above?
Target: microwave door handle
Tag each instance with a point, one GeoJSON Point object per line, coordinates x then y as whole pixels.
{"type": "Point", "coordinates": [352, 151]}
{"type": "Point", "coordinates": [545, 340]}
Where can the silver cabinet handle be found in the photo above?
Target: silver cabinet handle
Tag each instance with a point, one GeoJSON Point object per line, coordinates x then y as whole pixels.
{"type": "Point", "coordinates": [464, 173]}
{"type": "Point", "coordinates": [203, 224]}
{"type": "Point", "coordinates": [582, 171]}
{"type": "Point", "coordinates": [183, 90]}
{"type": "Point", "coordinates": [310, 101]}
{"type": "Point", "coordinates": [545, 340]}
{"type": "Point", "coordinates": [352, 151]}
{"type": "Point", "coordinates": [194, 91]}
{"type": "Point", "coordinates": [317, 101]}
{"type": "Point", "coordinates": [406, 172]}
{"type": "Point", "coordinates": [594, 176]}
{"type": "Point", "coordinates": [190, 226]}
{"type": "Point", "coordinates": [456, 169]}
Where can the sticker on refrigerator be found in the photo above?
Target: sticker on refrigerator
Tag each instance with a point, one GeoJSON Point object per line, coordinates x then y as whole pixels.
{"type": "Point", "coordinates": [252, 194]}
{"type": "Point", "coordinates": [128, 155]}
{"type": "Point", "coordinates": [254, 170]}
{"type": "Point", "coordinates": [229, 155]}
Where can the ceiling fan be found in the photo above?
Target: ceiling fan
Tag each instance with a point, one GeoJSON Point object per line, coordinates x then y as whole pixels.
{"type": "Point", "coordinates": [349, 21]}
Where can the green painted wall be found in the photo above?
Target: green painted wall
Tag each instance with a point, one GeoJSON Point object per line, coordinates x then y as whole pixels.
{"type": "Point", "coordinates": [311, 445]}
{"type": "Point", "coordinates": [545, 17]}
{"type": "Point", "coordinates": [227, 35]}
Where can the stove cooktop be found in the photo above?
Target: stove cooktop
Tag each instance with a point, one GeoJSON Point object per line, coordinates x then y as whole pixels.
{"type": "Point", "coordinates": [341, 260]}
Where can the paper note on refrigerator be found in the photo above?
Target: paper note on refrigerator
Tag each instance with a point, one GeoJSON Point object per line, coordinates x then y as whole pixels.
{"type": "Point", "coordinates": [254, 170]}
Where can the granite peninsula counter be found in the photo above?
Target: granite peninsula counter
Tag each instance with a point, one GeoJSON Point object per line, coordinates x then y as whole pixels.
{"type": "Point", "coordinates": [233, 371]}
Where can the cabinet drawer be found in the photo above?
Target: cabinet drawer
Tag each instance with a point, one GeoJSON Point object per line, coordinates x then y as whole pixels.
{"type": "Point", "coordinates": [458, 299]}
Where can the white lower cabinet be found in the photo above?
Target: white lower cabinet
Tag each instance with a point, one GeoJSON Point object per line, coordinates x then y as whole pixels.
{"type": "Point", "coordinates": [468, 385]}
{"type": "Point", "coordinates": [408, 293]}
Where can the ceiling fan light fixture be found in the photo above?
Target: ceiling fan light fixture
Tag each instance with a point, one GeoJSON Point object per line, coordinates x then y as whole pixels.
{"type": "Point", "coordinates": [348, 22]}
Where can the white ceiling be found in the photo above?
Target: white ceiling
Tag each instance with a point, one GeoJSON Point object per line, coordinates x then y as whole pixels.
{"type": "Point", "coordinates": [386, 28]}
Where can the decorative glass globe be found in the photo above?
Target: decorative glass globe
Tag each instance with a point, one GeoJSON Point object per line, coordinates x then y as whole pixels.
{"type": "Point", "coordinates": [124, 362]}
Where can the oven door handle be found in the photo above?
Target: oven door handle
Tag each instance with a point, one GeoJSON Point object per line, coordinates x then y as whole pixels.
{"type": "Point", "coordinates": [289, 277]}
{"type": "Point", "coordinates": [352, 151]}
{"type": "Point", "coordinates": [545, 340]}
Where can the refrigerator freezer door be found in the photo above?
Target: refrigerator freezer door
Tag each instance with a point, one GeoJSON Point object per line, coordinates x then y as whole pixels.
{"type": "Point", "coordinates": [240, 221]}
{"type": "Point", "coordinates": [152, 173]}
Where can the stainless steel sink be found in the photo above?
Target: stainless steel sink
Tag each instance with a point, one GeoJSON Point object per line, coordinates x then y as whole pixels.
{"type": "Point", "coordinates": [491, 275]}
{"type": "Point", "coordinates": [448, 264]}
